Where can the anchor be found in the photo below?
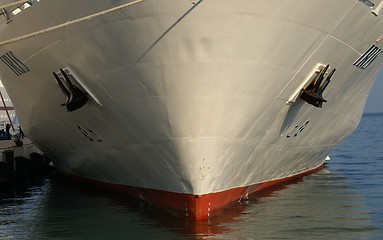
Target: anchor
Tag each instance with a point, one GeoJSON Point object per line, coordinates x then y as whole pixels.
{"type": "Point", "coordinates": [75, 97]}
{"type": "Point", "coordinates": [312, 94]}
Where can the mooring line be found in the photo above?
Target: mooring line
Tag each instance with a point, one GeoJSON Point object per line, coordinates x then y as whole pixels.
{"type": "Point", "coordinates": [13, 4]}
{"type": "Point", "coordinates": [63, 25]}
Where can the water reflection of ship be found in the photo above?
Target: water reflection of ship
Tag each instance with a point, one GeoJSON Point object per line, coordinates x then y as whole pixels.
{"type": "Point", "coordinates": [279, 212]}
{"type": "Point", "coordinates": [228, 222]}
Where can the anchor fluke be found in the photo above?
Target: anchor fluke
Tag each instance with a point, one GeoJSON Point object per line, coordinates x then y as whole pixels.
{"type": "Point", "coordinates": [75, 97]}
{"type": "Point", "coordinates": [312, 94]}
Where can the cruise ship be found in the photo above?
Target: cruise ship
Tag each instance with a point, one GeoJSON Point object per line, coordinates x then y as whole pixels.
{"type": "Point", "coordinates": [190, 105]}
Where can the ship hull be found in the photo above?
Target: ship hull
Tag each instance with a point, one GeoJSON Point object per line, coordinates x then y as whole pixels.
{"type": "Point", "coordinates": [194, 99]}
{"type": "Point", "coordinates": [191, 206]}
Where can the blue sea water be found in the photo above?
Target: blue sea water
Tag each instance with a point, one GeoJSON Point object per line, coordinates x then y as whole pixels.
{"type": "Point", "coordinates": [342, 201]}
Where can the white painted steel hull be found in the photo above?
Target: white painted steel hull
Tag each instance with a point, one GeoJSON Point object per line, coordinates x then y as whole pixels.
{"type": "Point", "coordinates": [194, 96]}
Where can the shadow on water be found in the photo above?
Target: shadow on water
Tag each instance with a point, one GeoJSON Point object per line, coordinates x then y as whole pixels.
{"type": "Point", "coordinates": [67, 209]}
{"type": "Point", "coordinates": [321, 205]}
{"type": "Point", "coordinates": [342, 201]}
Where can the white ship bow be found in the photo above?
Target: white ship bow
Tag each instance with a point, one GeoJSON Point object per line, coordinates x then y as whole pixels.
{"type": "Point", "coordinates": [200, 99]}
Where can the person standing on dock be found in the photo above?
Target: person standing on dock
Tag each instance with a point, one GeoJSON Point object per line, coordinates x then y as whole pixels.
{"type": "Point", "coordinates": [3, 134]}
{"type": "Point", "coordinates": [7, 128]}
{"type": "Point", "coordinates": [21, 132]}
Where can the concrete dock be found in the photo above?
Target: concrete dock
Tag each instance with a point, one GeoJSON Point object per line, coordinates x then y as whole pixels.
{"type": "Point", "coordinates": [21, 161]}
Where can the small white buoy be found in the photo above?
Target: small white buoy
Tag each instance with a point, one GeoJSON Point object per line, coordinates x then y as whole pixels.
{"type": "Point", "coordinates": [328, 158]}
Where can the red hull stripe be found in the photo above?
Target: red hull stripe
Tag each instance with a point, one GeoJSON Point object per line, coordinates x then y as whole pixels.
{"type": "Point", "coordinates": [2, 108]}
{"type": "Point", "coordinates": [196, 207]}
